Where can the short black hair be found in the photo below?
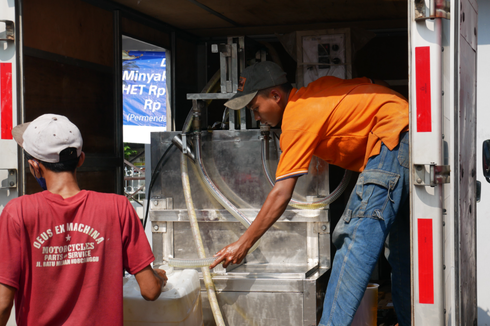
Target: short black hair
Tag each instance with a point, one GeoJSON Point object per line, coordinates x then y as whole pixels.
{"type": "Point", "coordinates": [286, 88]}
{"type": "Point", "coordinates": [68, 165]}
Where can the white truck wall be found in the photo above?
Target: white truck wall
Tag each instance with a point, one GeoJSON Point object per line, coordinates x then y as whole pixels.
{"type": "Point", "coordinates": [483, 133]}
{"type": "Point", "coordinates": [8, 156]}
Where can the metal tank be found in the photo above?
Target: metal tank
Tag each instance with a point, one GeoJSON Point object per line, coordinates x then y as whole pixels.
{"type": "Point", "coordinates": [283, 281]}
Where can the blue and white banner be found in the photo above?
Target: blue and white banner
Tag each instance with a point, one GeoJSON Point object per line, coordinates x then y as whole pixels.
{"type": "Point", "coordinates": [144, 95]}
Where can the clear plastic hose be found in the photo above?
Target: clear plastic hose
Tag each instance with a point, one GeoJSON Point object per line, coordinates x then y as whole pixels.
{"type": "Point", "coordinates": [214, 191]}
{"type": "Point", "coordinates": [327, 200]}
{"type": "Point", "coordinates": [232, 209]}
{"type": "Point", "coordinates": [321, 203]}
{"type": "Point", "coordinates": [191, 263]}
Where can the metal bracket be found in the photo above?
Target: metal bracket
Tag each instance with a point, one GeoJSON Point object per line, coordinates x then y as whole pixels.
{"type": "Point", "coordinates": [9, 31]}
{"type": "Point", "coordinates": [184, 141]}
{"type": "Point", "coordinates": [159, 227]}
{"type": "Point", "coordinates": [436, 9]}
{"type": "Point", "coordinates": [161, 204]}
{"type": "Point", "coordinates": [11, 181]}
{"type": "Point", "coordinates": [437, 174]}
{"type": "Point", "coordinates": [322, 228]}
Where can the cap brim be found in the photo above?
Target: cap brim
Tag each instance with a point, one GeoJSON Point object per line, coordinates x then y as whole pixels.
{"type": "Point", "coordinates": [18, 133]}
{"type": "Point", "coordinates": [240, 102]}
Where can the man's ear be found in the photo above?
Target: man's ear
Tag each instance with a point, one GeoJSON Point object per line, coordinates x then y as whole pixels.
{"type": "Point", "coordinates": [81, 160]}
{"type": "Point", "coordinates": [32, 163]}
{"type": "Point", "coordinates": [35, 166]}
{"type": "Point", "coordinates": [275, 95]}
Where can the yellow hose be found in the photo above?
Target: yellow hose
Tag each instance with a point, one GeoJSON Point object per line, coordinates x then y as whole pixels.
{"type": "Point", "coordinates": [206, 274]}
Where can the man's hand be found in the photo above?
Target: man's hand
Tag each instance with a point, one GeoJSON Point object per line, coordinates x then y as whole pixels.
{"type": "Point", "coordinates": [151, 282]}
{"type": "Point", "coordinates": [233, 253]}
{"type": "Point", "coordinates": [162, 275]}
{"type": "Point", "coordinates": [274, 206]}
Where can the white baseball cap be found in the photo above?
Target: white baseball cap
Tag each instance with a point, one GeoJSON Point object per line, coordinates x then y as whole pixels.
{"type": "Point", "coordinates": [47, 136]}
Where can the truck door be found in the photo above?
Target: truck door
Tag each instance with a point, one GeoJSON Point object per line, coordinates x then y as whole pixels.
{"type": "Point", "coordinates": [9, 41]}
{"type": "Point", "coordinates": [443, 156]}
{"type": "Point", "coordinates": [483, 133]}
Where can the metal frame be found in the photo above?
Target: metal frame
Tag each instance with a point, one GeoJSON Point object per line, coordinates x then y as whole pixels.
{"type": "Point", "coordinates": [10, 50]}
{"type": "Point", "coordinates": [426, 202]}
{"type": "Point", "coordinates": [118, 112]}
{"type": "Point", "coordinates": [232, 63]}
{"type": "Point", "coordinates": [443, 56]}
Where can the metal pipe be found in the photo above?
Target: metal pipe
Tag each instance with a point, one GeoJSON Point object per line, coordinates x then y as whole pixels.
{"type": "Point", "coordinates": [177, 141]}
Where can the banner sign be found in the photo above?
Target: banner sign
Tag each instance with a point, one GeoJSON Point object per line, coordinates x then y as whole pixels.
{"type": "Point", "coordinates": [144, 94]}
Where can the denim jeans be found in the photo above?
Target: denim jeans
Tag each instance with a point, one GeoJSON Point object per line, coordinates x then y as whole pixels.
{"type": "Point", "coordinates": [376, 216]}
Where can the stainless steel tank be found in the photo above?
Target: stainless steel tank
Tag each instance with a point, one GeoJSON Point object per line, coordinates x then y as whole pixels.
{"type": "Point", "coordinates": [283, 282]}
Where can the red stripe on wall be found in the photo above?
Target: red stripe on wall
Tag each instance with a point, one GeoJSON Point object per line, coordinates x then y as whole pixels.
{"type": "Point", "coordinates": [6, 100]}
{"type": "Point", "coordinates": [422, 86]}
{"type": "Point", "coordinates": [426, 263]}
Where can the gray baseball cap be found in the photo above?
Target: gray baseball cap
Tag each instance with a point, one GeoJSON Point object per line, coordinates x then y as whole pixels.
{"type": "Point", "coordinates": [253, 79]}
{"type": "Point", "coordinates": [47, 136]}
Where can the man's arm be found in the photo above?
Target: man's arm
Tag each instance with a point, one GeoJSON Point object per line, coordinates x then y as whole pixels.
{"type": "Point", "coordinates": [7, 294]}
{"type": "Point", "coordinates": [151, 282]}
{"type": "Point", "coordinates": [275, 204]}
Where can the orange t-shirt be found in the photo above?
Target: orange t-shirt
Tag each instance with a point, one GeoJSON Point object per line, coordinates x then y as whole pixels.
{"type": "Point", "coordinates": [341, 121]}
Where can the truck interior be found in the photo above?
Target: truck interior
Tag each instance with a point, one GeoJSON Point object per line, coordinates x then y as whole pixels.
{"type": "Point", "coordinates": [72, 65]}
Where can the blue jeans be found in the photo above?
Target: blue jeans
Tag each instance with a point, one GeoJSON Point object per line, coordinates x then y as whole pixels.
{"type": "Point", "coordinates": [377, 215]}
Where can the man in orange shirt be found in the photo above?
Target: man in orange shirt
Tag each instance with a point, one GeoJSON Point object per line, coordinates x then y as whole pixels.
{"type": "Point", "coordinates": [354, 124]}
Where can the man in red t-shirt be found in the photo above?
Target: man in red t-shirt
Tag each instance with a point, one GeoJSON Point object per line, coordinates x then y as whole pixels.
{"type": "Point", "coordinates": [62, 251]}
{"type": "Point", "coordinates": [357, 125]}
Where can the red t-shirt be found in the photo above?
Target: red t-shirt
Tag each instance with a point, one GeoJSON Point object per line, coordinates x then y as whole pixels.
{"type": "Point", "coordinates": [66, 257]}
{"type": "Point", "coordinates": [340, 121]}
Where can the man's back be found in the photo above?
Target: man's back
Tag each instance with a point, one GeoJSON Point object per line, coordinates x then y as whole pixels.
{"type": "Point", "coordinates": [66, 256]}
{"type": "Point", "coordinates": [341, 121]}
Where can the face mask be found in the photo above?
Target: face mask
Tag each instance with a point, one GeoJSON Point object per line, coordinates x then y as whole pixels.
{"type": "Point", "coordinates": [41, 180]}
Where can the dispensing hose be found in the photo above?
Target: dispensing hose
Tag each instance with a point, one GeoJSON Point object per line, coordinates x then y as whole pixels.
{"type": "Point", "coordinates": [220, 198]}
{"type": "Point", "coordinates": [215, 191]}
{"type": "Point", "coordinates": [191, 263]}
{"type": "Point", "coordinates": [177, 141]}
{"type": "Point", "coordinates": [321, 203]}
{"type": "Point", "coordinates": [206, 274]}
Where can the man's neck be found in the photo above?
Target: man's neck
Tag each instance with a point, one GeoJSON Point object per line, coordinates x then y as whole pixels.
{"type": "Point", "coordinates": [62, 183]}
